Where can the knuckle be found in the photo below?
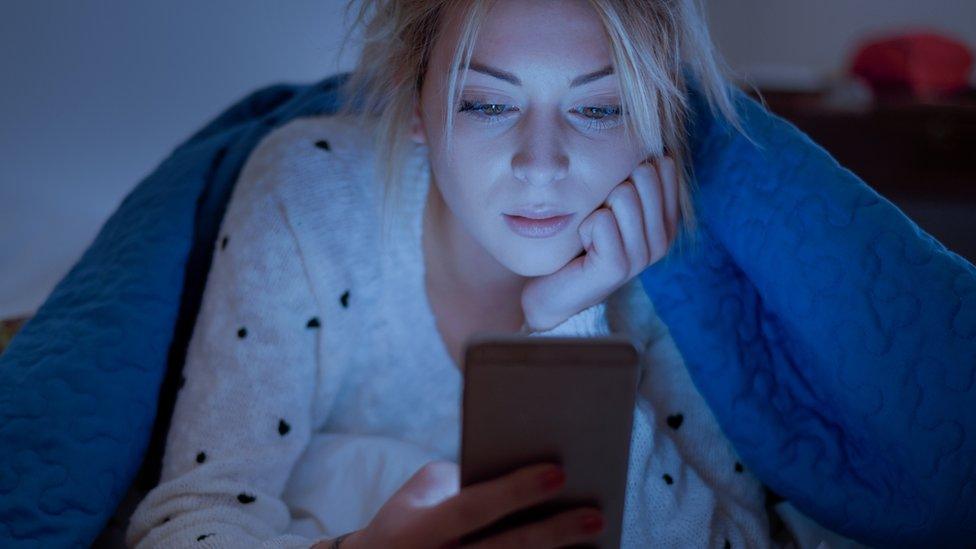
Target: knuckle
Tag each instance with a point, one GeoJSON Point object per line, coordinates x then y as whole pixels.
{"type": "Point", "coordinates": [603, 215]}
{"type": "Point", "coordinates": [623, 191]}
{"type": "Point", "coordinates": [644, 169]}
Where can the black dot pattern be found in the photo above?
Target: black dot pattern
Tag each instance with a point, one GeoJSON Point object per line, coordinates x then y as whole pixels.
{"type": "Point", "coordinates": [165, 519]}
{"type": "Point", "coordinates": [245, 498]}
{"type": "Point", "coordinates": [673, 421]}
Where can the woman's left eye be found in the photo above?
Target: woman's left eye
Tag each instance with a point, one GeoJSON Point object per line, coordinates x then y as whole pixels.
{"type": "Point", "coordinates": [596, 116]}
{"type": "Point", "coordinates": [605, 112]}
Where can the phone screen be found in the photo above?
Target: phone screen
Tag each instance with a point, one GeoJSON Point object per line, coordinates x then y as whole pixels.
{"type": "Point", "coordinates": [567, 400]}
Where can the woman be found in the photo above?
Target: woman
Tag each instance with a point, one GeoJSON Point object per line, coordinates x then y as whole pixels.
{"type": "Point", "coordinates": [322, 379]}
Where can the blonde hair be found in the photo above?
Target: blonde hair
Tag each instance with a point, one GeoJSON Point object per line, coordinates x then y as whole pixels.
{"type": "Point", "coordinates": [650, 42]}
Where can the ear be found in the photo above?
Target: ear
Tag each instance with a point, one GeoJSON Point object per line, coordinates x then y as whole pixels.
{"type": "Point", "coordinates": [417, 132]}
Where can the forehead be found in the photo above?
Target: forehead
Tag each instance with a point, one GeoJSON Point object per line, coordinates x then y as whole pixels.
{"type": "Point", "coordinates": [529, 37]}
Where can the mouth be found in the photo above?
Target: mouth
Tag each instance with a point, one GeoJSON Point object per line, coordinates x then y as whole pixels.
{"type": "Point", "coordinates": [537, 227]}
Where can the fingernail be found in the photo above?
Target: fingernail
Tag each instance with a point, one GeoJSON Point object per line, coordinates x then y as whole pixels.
{"type": "Point", "coordinates": [553, 478]}
{"type": "Point", "coordinates": [592, 523]}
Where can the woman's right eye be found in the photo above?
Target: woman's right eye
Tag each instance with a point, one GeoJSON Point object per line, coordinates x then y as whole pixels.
{"type": "Point", "coordinates": [488, 113]}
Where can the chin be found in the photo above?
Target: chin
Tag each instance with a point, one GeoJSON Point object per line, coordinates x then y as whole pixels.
{"type": "Point", "coordinates": [538, 259]}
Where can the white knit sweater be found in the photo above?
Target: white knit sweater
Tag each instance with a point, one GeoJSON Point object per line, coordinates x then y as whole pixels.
{"type": "Point", "coordinates": [316, 381]}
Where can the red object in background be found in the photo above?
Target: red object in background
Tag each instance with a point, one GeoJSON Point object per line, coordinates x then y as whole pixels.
{"type": "Point", "coordinates": [926, 64]}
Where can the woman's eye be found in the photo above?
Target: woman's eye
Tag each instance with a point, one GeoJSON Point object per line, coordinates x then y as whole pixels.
{"type": "Point", "coordinates": [602, 114]}
{"type": "Point", "coordinates": [596, 117]}
{"type": "Point", "coordinates": [487, 112]}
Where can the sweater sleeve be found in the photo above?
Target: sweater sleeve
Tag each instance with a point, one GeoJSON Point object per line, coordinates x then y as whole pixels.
{"type": "Point", "coordinates": [590, 322]}
{"type": "Point", "coordinates": [691, 490]}
{"type": "Point", "coordinates": [243, 412]}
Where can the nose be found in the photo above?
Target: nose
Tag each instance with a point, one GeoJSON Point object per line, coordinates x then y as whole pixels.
{"type": "Point", "coordinates": [542, 158]}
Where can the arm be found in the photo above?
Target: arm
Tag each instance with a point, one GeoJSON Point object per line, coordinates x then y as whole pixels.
{"type": "Point", "coordinates": [243, 415]}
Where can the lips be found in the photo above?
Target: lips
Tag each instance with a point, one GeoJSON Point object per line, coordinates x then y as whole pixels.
{"type": "Point", "coordinates": [537, 228]}
{"type": "Point", "coordinates": [537, 212]}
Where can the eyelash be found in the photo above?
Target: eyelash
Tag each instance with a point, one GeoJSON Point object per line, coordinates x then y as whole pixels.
{"type": "Point", "coordinates": [472, 108]}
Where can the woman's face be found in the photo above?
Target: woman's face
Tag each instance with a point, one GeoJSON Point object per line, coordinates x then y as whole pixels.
{"type": "Point", "coordinates": [535, 131]}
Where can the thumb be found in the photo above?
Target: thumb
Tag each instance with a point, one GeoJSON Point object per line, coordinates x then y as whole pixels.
{"type": "Point", "coordinates": [434, 482]}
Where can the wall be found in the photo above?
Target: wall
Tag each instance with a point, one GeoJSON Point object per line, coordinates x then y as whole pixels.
{"type": "Point", "coordinates": [97, 92]}
{"type": "Point", "coordinates": [799, 41]}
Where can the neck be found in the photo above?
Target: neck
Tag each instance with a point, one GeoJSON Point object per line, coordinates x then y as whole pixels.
{"type": "Point", "coordinates": [458, 266]}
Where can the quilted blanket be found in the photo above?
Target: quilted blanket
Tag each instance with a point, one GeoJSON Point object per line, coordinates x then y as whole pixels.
{"type": "Point", "coordinates": [834, 340]}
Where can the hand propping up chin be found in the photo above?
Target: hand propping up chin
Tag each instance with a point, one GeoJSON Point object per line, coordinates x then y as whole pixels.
{"type": "Point", "coordinates": [632, 230]}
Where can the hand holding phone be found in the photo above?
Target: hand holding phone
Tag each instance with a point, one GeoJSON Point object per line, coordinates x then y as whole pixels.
{"type": "Point", "coordinates": [418, 515]}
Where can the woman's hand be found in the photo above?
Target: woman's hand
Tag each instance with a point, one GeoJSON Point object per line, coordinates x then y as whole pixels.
{"type": "Point", "coordinates": [632, 230]}
{"type": "Point", "coordinates": [429, 512]}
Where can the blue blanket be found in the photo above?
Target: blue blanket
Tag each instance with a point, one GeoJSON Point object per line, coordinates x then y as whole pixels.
{"type": "Point", "coordinates": [834, 340]}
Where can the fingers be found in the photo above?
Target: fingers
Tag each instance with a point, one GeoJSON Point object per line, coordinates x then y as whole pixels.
{"type": "Point", "coordinates": [562, 530]}
{"type": "Point", "coordinates": [434, 482]}
{"type": "Point", "coordinates": [606, 257]}
{"type": "Point", "coordinates": [649, 188]}
{"type": "Point", "coordinates": [626, 207]}
{"type": "Point", "coordinates": [669, 182]}
{"type": "Point", "coordinates": [481, 504]}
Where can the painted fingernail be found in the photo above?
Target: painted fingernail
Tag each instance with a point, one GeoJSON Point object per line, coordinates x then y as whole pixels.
{"type": "Point", "coordinates": [552, 478]}
{"type": "Point", "coordinates": [592, 523]}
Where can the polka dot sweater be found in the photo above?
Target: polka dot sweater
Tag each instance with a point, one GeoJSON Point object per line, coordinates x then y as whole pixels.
{"type": "Point", "coordinates": [316, 381]}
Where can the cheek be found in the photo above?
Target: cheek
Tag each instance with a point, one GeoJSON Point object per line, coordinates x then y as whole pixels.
{"type": "Point", "coordinates": [605, 168]}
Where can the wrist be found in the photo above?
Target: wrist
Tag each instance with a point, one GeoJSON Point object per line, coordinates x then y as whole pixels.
{"type": "Point", "coordinates": [349, 540]}
{"type": "Point", "coordinates": [591, 321]}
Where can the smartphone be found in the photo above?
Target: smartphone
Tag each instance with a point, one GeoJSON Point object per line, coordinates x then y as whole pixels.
{"type": "Point", "coordinates": [567, 400]}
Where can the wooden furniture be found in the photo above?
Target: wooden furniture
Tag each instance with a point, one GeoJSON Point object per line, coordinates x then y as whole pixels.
{"type": "Point", "coordinates": [920, 156]}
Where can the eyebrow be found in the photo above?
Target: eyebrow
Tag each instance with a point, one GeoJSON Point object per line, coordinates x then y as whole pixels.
{"type": "Point", "coordinates": [512, 79]}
